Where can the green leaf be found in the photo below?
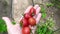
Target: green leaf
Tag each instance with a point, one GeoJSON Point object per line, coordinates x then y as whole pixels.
{"type": "Point", "coordinates": [13, 23]}
{"type": "Point", "coordinates": [43, 10]}
{"type": "Point", "coordinates": [43, 28]}
{"type": "Point", "coordinates": [44, 15]}
{"type": "Point", "coordinates": [56, 3]}
{"type": "Point", "coordinates": [49, 4]}
{"type": "Point", "coordinates": [49, 31]}
{"type": "Point", "coordinates": [3, 27]}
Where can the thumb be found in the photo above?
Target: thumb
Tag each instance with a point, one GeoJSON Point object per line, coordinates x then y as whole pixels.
{"type": "Point", "coordinates": [7, 21]}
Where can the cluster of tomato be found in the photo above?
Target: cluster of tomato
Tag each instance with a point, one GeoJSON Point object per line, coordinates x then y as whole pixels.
{"type": "Point", "coordinates": [28, 20]}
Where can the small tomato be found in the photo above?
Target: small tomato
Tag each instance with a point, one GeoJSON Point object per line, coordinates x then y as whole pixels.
{"type": "Point", "coordinates": [25, 30]}
{"type": "Point", "coordinates": [24, 22]}
{"type": "Point", "coordinates": [32, 11]}
{"type": "Point", "coordinates": [32, 21]}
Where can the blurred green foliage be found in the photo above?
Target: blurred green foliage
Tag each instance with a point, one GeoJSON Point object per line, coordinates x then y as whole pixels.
{"type": "Point", "coordinates": [56, 3]}
{"type": "Point", "coordinates": [49, 4]}
{"type": "Point", "coordinates": [3, 27]}
{"type": "Point", "coordinates": [13, 22]}
{"type": "Point", "coordinates": [46, 27]}
{"type": "Point", "coordinates": [43, 11]}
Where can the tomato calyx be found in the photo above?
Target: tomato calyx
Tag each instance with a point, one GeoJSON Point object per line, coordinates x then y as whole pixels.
{"type": "Point", "coordinates": [21, 23]}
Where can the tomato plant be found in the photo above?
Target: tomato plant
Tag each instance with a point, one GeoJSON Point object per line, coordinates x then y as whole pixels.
{"type": "Point", "coordinates": [3, 27]}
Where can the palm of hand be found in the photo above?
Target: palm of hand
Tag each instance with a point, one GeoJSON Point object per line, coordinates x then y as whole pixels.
{"type": "Point", "coordinates": [16, 29]}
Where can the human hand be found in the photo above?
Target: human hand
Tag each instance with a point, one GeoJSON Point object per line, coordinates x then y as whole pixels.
{"type": "Point", "coordinates": [16, 29]}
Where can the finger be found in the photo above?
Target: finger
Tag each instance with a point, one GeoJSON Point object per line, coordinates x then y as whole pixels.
{"type": "Point", "coordinates": [37, 11]}
{"type": "Point", "coordinates": [7, 20]}
{"type": "Point", "coordinates": [38, 18]}
{"type": "Point", "coordinates": [28, 9]}
{"type": "Point", "coordinates": [36, 6]}
{"type": "Point", "coordinates": [33, 28]}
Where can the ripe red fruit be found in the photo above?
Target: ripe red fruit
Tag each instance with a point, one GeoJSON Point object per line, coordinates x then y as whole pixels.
{"type": "Point", "coordinates": [32, 21]}
{"type": "Point", "coordinates": [32, 11]}
{"type": "Point", "coordinates": [24, 22]}
{"type": "Point", "coordinates": [27, 16]}
{"type": "Point", "coordinates": [25, 30]}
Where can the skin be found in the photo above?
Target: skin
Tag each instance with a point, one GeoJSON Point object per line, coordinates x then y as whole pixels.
{"type": "Point", "coordinates": [16, 29]}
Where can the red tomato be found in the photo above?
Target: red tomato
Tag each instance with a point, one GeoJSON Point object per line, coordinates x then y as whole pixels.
{"type": "Point", "coordinates": [24, 22]}
{"type": "Point", "coordinates": [25, 30]}
{"type": "Point", "coordinates": [32, 11]}
{"type": "Point", "coordinates": [32, 21]}
{"type": "Point", "coordinates": [27, 16]}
